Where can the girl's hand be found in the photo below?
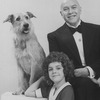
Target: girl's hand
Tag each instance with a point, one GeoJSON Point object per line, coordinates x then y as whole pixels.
{"type": "Point", "coordinates": [30, 94]}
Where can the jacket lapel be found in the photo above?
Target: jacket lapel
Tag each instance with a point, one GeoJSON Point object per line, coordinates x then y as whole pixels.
{"type": "Point", "coordinates": [70, 43]}
{"type": "Point", "coordinates": [87, 35]}
{"type": "Point", "coordinates": [87, 39]}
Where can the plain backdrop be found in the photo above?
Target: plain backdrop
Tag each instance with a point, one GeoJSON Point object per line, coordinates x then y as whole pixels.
{"type": "Point", "coordinates": [48, 19]}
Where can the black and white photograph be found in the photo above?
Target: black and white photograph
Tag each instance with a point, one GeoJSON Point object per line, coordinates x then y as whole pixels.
{"type": "Point", "coordinates": [50, 50]}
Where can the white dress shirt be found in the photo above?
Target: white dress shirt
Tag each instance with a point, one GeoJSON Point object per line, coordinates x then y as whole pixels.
{"type": "Point", "coordinates": [79, 42]}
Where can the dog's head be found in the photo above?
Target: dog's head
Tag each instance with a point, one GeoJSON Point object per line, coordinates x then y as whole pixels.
{"type": "Point", "coordinates": [21, 22]}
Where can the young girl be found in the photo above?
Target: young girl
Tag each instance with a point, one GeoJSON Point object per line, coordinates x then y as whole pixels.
{"type": "Point", "coordinates": [57, 70]}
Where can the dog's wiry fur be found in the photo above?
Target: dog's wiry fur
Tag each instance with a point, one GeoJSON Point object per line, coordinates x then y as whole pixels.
{"type": "Point", "coordinates": [28, 51]}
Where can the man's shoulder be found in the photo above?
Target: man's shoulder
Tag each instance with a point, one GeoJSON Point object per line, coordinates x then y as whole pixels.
{"type": "Point", "coordinates": [91, 25]}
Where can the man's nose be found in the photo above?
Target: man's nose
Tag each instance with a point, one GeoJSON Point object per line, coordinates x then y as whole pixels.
{"type": "Point", "coordinates": [70, 10]}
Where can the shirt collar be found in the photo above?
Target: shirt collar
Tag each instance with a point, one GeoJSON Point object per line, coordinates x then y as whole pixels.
{"type": "Point", "coordinates": [73, 26]}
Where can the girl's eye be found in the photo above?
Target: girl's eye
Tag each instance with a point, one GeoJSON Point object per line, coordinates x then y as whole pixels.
{"type": "Point", "coordinates": [50, 69]}
{"type": "Point", "coordinates": [58, 68]}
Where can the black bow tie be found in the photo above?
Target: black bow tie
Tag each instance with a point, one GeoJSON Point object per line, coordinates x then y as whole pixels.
{"type": "Point", "coordinates": [78, 29]}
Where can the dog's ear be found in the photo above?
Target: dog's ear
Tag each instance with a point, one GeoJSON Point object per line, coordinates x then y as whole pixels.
{"type": "Point", "coordinates": [30, 15]}
{"type": "Point", "coordinates": [10, 18]}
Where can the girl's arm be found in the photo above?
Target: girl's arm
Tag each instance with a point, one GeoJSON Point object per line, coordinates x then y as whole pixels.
{"type": "Point", "coordinates": [30, 92]}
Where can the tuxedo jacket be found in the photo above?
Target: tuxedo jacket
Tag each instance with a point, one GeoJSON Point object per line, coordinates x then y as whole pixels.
{"type": "Point", "coordinates": [62, 40]}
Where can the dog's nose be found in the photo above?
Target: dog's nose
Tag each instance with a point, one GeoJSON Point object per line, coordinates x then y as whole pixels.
{"type": "Point", "coordinates": [26, 25]}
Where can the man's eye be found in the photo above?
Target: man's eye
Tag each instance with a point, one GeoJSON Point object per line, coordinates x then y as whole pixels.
{"type": "Point", "coordinates": [18, 19]}
{"type": "Point", "coordinates": [65, 9]}
{"type": "Point", "coordinates": [74, 7]}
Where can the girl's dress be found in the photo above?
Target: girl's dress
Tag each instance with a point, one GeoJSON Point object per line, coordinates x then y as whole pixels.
{"type": "Point", "coordinates": [65, 92]}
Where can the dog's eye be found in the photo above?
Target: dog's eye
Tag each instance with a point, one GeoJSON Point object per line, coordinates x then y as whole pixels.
{"type": "Point", "coordinates": [18, 19]}
{"type": "Point", "coordinates": [26, 17]}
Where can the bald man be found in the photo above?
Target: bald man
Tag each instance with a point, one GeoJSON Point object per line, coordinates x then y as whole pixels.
{"type": "Point", "coordinates": [81, 42]}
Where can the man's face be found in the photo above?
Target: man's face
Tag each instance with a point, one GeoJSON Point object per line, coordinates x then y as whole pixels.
{"type": "Point", "coordinates": [70, 11]}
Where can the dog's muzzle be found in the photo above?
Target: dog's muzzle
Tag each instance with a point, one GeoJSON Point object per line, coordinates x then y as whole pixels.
{"type": "Point", "coordinates": [26, 29]}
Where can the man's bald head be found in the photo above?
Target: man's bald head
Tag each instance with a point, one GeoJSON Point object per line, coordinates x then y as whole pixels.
{"type": "Point", "coordinates": [66, 1]}
{"type": "Point", "coordinates": [70, 11]}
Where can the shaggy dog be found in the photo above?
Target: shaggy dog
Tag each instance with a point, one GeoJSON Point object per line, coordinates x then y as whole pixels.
{"type": "Point", "coordinates": [28, 52]}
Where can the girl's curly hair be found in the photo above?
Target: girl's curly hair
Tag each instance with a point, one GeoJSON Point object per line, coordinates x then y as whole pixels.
{"type": "Point", "coordinates": [58, 57]}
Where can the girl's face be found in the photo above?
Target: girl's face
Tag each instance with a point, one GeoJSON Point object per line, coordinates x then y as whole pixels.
{"type": "Point", "coordinates": [55, 70]}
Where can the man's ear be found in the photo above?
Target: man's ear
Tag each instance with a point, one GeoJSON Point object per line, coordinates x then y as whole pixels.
{"type": "Point", "coordinates": [80, 10]}
{"type": "Point", "coordinates": [30, 15]}
{"type": "Point", "coordinates": [61, 13]}
{"type": "Point", "coordinates": [10, 18]}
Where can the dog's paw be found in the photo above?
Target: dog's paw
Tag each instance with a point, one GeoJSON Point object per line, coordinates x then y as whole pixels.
{"type": "Point", "coordinates": [18, 92]}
